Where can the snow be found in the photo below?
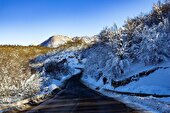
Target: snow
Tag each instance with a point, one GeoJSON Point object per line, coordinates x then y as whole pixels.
{"type": "Point", "coordinates": [57, 84]}
{"type": "Point", "coordinates": [52, 87]}
{"type": "Point", "coordinates": [92, 82]}
{"type": "Point", "coordinates": [145, 104]}
{"type": "Point", "coordinates": [54, 84]}
{"type": "Point", "coordinates": [156, 83]}
{"type": "Point", "coordinates": [165, 100]}
{"type": "Point", "coordinates": [56, 41]}
{"type": "Point", "coordinates": [56, 78]}
{"type": "Point", "coordinates": [135, 69]}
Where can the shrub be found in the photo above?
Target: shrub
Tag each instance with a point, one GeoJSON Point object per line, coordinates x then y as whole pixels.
{"type": "Point", "coordinates": [15, 72]}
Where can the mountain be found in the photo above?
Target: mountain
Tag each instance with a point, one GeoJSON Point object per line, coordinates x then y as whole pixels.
{"type": "Point", "coordinates": [56, 41]}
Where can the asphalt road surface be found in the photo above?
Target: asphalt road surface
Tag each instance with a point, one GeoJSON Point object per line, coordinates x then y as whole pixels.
{"type": "Point", "coordinates": [77, 98]}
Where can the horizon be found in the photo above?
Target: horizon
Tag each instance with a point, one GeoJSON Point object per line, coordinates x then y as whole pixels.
{"type": "Point", "coordinates": [30, 22]}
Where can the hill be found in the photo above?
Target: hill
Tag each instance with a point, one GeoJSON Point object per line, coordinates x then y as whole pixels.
{"type": "Point", "coordinates": [56, 41]}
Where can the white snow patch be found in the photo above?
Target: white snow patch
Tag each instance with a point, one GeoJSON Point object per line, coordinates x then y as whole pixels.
{"type": "Point", "coordinates": [156, 83]}
{"type": "Point", "coordinates": [144, 104]}
{"type": "Point", "coordinates": [73, 65]}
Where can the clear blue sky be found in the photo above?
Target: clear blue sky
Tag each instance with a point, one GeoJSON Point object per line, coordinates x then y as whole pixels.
{"type": "Point", "coordinates": [32, 21]}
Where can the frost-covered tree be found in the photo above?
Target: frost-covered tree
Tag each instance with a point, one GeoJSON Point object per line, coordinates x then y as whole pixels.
{"type": "Point", "coordinates": [163, 40]}
{"type": "Point", "coordinates": [113, 37]}
{"type": "Point", "coordinates": [159, 13]}
{"type": "Point", "coordinates": [131, 35]}
{"type": "Point", "coordinates": [120, 49]}
{"type": "Point", "coordinates": [133, 51]}
{"type": "Point", "coordinates": [106, 35]}
{"type": "Point", "coordinates": [145, 38]}
{"type": "Point", "coordinates": [129, 28]}
{"type": "Point", "coordinates": [150, 53]}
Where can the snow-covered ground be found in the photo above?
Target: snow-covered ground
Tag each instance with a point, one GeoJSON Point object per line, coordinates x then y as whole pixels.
{"type": "Point", "coordinates": [59, 68]}
{"type": "Point", "coordinates": [155, 83]}
{"type": "Point", "coordinates": [145, 104]}
{"type": "Point", "coordinates": [56, 70]}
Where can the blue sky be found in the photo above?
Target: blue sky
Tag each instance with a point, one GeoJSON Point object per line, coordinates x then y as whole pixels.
{"type": "Point", "coordinates": [32, 21]}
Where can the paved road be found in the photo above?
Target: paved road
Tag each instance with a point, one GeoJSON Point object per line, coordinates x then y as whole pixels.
{"type": "Point", "coordinates": [77, 98]}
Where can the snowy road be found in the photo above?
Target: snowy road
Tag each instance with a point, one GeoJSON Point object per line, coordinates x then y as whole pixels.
{"type": "Point", "coordinates": [77, 98]}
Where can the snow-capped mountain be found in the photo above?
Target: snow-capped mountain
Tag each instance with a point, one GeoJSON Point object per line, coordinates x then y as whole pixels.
{"type": "Point", "coordinates": [56, 41]}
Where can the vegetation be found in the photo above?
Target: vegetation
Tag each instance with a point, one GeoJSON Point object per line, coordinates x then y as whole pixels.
{"type": "Point", "coordinates": [75, 44]}
{"type": "Point", "coordinates": [15, 71]}
{"type": "Point", "coordinates": [17, 77]}
{"type": "Point", "coordinates": [145, 38]}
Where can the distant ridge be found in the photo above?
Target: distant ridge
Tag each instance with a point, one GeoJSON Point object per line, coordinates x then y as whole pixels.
{"type": "Point", "coordinates": [56, 41]}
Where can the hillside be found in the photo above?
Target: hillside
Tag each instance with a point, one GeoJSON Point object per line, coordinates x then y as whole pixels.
{"type": "Point", "coordinates": [56, 41]}
{"type": "Point", "coordinates": [15, 71]}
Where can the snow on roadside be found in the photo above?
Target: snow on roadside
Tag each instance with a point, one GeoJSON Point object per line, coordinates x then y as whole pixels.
{"type": "Point", "coordinates": [134, 69]}
{"type": "Point", "coordinates": [56, 78]}
{"type": "Point", "coordinates": [155, 83]}
{"type": "Point", "coordinates": [145, 104]}
{"type": "Point", "coordinates": [57, 84]}
{"type": "Point", "coordinates": [51, 80]}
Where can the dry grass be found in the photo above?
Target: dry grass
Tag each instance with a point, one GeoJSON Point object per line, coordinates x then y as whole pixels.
{"type": "Point", "coordinates": [76, 44]}
{"type": "Point", "coordinates": [15, 70]}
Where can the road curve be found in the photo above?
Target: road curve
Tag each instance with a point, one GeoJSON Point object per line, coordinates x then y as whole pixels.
{"type": "Point", "coordinates": [77, 98]}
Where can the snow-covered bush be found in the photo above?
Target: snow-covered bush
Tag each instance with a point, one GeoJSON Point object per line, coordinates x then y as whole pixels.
{"type": "Point", "coordinates": [102, 63]}
{"type": "Point", "coordinates": [155, 44]}
{"type": "Point", "coordinates": [15, 71]}
{"type": "Point", "coordinates": [119, 44]}
{"type": "Point", "coordinates": [96, 58]}
{"type": "Point", "coordinates": [143, 39]}
{"type": "Point", "coordinates": [106, 35]}
{"type": "Point", "coordinates": [12, 89]}
{"type": "Point", "coordinates": [57, 68]}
